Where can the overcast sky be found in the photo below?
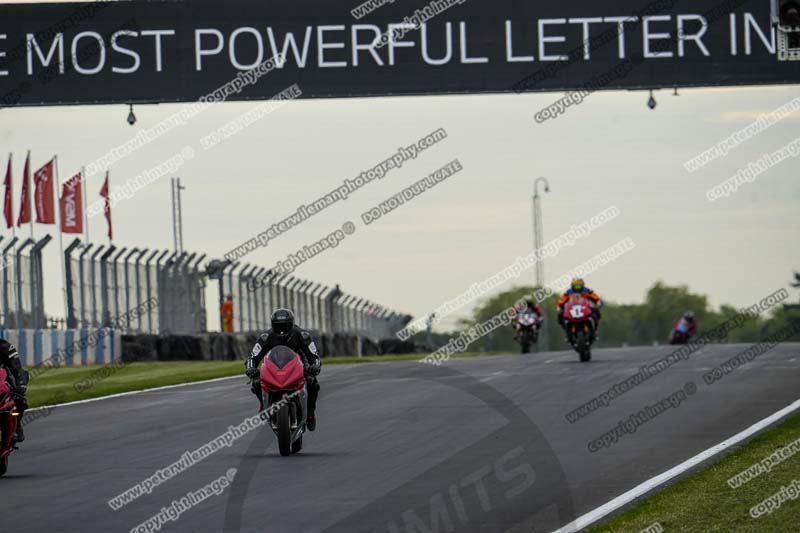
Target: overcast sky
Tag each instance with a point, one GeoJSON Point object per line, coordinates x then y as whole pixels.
{"type": "Point", "coordinates": [609, 151]}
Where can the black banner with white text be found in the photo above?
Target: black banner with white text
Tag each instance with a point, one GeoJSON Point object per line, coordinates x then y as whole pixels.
{"type": "Point", "coordinates": [137, 51]}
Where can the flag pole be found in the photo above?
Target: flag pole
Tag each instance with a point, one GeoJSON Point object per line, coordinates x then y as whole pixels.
{"type": "Point", "coordinates": [85, 193]}
{"type": "Point", "coordinates": [61, 237]}
{"type": "Point", "coordinates": [30, 194]}
{"type": "Point", "coordinates": [11, 193]}
{"type": "Point", "coordinates": [106, 199]}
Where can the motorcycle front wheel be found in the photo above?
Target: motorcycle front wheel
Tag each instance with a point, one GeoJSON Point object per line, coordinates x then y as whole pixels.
{"type": "Point", "coordinates": [587, 354]}
{"type": "Point", "coordinates": [582, 347]}
{"type": "Point", "coordinates": [284, 430]}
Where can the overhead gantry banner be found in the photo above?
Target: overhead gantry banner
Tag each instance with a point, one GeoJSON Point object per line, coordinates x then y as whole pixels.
{"type": "Point", "coordinates": [136, 51]}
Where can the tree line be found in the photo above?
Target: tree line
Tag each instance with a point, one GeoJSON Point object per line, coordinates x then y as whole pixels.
{"type": "Point", "coordinates": [641, 324]}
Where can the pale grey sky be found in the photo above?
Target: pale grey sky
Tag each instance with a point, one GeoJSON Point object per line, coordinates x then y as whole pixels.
{"type": "Point", "coordinates": [611, 150]}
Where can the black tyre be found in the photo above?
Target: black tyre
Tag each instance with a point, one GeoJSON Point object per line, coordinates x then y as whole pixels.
{"type": "Point", "coordinates": [526, 348]}
{"type": "Point", "coordinates": [284, 430]}
{"type": "Point", "coordinates": [3, 465]}
{"type": "Point", "coordinates": [581, 346]}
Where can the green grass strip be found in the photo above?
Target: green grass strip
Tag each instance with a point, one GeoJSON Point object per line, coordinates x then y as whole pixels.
{"type": "Point", "coordinates": [704, 502]}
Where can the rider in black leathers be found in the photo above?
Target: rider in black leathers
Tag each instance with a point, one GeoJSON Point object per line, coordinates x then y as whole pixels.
{"type": "Point", "coordinates": [9, 359]}
{"type": "Point", "coordinates": [285, 333]}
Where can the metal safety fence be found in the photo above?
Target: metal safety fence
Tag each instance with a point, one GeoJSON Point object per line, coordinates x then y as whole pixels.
{"type": "Point", "coordinates": [151, 291]}
{"type": "Point", "coordinates": [136, 290]}
{"type": "Point", "coordinates": [21, 283]}
{"type": "Point", "coordinates": [257, 291]}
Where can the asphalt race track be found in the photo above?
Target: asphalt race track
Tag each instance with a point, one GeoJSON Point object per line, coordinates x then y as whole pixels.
{"type": "Point", "coordinates": [477, 444]}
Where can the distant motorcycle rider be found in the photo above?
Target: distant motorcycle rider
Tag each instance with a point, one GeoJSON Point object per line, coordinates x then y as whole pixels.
{"type": "Point", "coordinates": [530, 307]}
{"type": "Point", "coordinates": [691, 324]}
{"type": "Point", "coordinates": [577, 286]}
{"type": "Point", "coordinates": [285, 333]}
{"type": "Point", "coordinates": [9, 359]}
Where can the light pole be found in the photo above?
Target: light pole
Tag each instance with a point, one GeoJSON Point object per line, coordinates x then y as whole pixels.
{"type": "Point", "coordinates": [428, 325]}
{"type": "Point", "coordinates": [177, 217]}
{"type": "Point", "coordinates": [538, 237]}
{"type": "Point", "coordinates": [538, 242]}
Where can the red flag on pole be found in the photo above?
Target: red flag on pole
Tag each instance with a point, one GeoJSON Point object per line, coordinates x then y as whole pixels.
{"type": "Point", "coordinates": [43, 194]}
{"type": "Point", "coordinates": [7, 207]}
{"type": "Point", "coordinates": [104, 192]}
{"type": "Point", "coordinates": [71, 204]}
{"type": "Point", "coordinates": [25, 200]}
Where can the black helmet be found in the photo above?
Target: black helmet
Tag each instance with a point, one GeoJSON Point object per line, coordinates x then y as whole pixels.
{"type": "Point", "coordinates": [688, 315]}
{"type": "Point", "coordinates": [282, 322]}
{"type": "Point", "coordinates": [529, 303]}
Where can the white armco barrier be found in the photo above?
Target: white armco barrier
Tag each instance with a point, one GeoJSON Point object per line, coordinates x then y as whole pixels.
{"type": "Point", "coordinates": [65, 347]}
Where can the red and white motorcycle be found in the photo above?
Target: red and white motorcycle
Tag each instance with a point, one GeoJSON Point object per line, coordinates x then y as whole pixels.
{"type": "Point", "coordinates": [527, 330]}
{"type": "Point", "coordinates": [580, 325]}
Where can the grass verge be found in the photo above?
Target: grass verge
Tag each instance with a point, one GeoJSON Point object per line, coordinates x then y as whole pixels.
{"type": "Point", "coordinates": [67, 384]}
{"type": "Point", "coordinates": [705, 502]}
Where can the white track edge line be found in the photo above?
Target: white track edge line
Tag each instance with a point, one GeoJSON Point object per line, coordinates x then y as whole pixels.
{"type": "Point", "coordinates": [593, 516]}
{"type": "Point", "coordinates": [131, 393]}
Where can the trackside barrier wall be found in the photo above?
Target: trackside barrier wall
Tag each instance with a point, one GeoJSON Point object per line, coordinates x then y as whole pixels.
{"type": "Point", "coordinates": [79, 347]}
{"type": "Point", "coordinates": [233, 346]}
{"type": "Point", "coordinates": [72, 347]}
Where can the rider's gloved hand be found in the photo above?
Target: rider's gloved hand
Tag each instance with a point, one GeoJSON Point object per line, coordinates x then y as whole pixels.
{"type": "Point", "coordinates": [19, 399]}
{"type": "Point", "coordinates": [18, 392]}
{"type": "Point", "coordinates": [312, 370]}
{"type": "Point", "coordinates": [252, 373]}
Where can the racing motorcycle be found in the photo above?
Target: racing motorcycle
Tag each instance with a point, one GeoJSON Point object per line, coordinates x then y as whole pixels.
{"type": "Point", "coordinates": [284, 388]}
{"type": "Point", "coordinates": [527, 331]}
{"type": "Point", "coordinates": [8, 421]}
{"type": "Point", "coordinates": [580, 325]}
{"type": "Point", "coordinates": [680, 335]}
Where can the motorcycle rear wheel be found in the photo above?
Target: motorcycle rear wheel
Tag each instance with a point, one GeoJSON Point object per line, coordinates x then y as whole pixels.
{"type": "Point", "coordinates": [284, 431]}
{"type": "Point", "coordinates": [3, 465]}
